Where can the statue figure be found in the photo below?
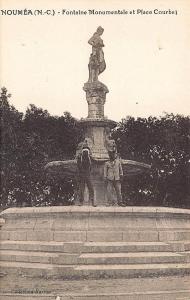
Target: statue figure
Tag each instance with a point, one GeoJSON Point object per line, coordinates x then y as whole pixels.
{"type": "Point", "coordinates": [96, 63]}
{"type": "Point", "coordinates": [79, 149]}
{"type": "Point", "coordinates": [111, 145]}
{"type": "Point", "coordinates": [87, 142]}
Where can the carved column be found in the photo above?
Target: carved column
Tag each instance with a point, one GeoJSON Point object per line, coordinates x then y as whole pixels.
{"type": "Point", "coordinates": [96, 97]}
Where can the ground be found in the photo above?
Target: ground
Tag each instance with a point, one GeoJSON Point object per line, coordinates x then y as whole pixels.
{"type": "Point", "coordinates": [161, 288]}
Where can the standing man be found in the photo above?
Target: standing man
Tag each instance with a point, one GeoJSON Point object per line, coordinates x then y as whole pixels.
{"type": "Point", "coordinates": [84, 174]}
{"type": "Point", "coordinates": [113, 174]}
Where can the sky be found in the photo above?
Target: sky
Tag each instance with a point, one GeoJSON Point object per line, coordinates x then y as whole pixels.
{"type": "Point", "coordinates": [44, 59]}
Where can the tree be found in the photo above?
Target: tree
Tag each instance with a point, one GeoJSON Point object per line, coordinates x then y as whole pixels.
{"type": "Point", "coordinates": [164, 143]}
{"type": "Point", "coordinates": [11, 124]}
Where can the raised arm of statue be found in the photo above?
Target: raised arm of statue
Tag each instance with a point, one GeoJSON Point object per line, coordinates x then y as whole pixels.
{"type": "Point", "coordinates": [91, 40]}
{"type": "Point", "coordinates": [96, 41]}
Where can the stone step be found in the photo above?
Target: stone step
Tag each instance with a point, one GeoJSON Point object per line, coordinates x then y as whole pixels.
{"type": "Point", "coordinates": [185, 243]}
{"type": "Point", "coordinates": [88, 247]}
{"type": "Point", "coordinates": [93, 258]}
{"type": "Point", "coordinates": [134, 246]}
{"type": "Point", "coordinates": [38, 257]}
{"type": "Point", "coordinates": [92, 271]}
{"type": "Point", "coordinates": [66, 247]}
{"type": "Point", "coordinates": [154, 295]}
{"type": "Point", "coordinates": [131, 270]}
{"type": "Point", "coordinates": [187, 254]}
{"type": "Point", "coordinates": [32, 269]}
{"type": "Point", "coordinates": [132, 258]}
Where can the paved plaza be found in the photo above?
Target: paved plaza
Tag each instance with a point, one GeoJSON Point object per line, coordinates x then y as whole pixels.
{"type": "Point", "coordinates": [163, 288]}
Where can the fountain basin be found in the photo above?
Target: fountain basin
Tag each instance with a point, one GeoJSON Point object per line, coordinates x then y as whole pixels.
{"type": "Point", "coordinates": [69, 167]}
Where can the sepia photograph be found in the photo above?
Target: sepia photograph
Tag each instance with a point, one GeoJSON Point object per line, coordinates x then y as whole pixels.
{"type": "Point", "coordinates": [95, 150]}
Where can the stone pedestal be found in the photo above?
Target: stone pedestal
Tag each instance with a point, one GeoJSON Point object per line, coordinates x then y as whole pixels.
{"type": "Point", "coordinates": [100, 192]}
{"type": "Point", "coordinates": [96, 128]}
{"type": "Point", "coordinates": [96, 97]}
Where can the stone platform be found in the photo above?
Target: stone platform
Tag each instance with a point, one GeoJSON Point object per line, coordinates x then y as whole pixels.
{"type": "Point", "coordinates": [102, 242]}
{"type": "Point", "coordinates": [92, 246]}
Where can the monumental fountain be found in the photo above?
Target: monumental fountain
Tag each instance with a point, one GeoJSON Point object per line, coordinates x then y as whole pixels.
{"type": "Point", "coordinates": [93, 242]}
{"type": "Point", "coordinates": [97, 129]}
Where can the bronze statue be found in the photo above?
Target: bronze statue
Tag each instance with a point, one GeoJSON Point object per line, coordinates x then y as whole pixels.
{"type": "Point", "coordinates": [96, 63]}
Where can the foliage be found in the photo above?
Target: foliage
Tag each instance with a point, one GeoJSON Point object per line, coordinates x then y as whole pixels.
{"type": "Point", "coordinates": [29, 141]}
{"type": "Point", "coordinates": [164, 143]}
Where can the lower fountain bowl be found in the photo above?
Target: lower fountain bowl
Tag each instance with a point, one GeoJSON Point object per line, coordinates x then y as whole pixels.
{"type": "Point", "coordinates": [69, 167]}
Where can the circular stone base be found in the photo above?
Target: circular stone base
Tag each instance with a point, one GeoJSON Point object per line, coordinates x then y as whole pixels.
{"type": "Point", "coordinates": [87, 242]}
{"type": "Point", "coordinates": [86, 223]}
